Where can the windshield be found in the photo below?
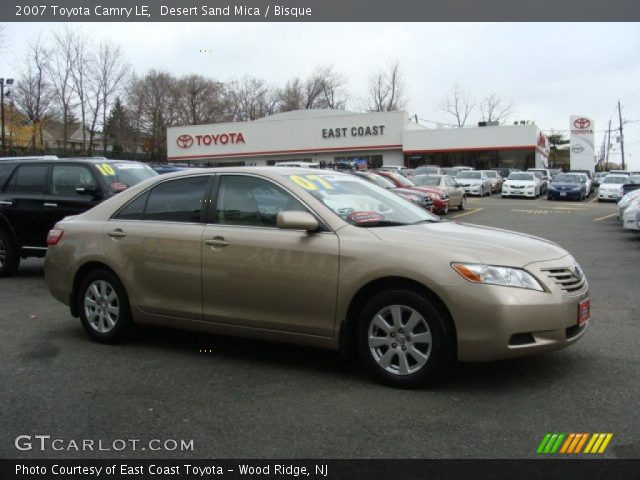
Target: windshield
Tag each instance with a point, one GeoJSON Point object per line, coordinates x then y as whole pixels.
{"type": "Point", "coordinates": [378, 180]}
{"type": "Point", "coordinates": [405, 182]}
{"type": "Point", "coordinates": [617, 180]}
{"type": "Point", "coordinates": [521, 176]}
{"type": "Point", "coordinates": [426, 180]}
{"type": "Point", "coordinates": [361, 203]}
{"type": "Point", "coordinates": [566, 179]}
{"type": "Point", "coordinates": [491, 174]}
{"type": "Point", "coordinates": [122, 175]}
{"type": "Point", "coordinates": [467, 174]}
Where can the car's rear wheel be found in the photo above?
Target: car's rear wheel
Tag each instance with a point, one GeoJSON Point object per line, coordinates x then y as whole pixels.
{"type": "Point", "coordinates": [104, 307]}
{"type": "Point", "coordinates": [9, 257]}
{"type": "Point", "coordinates": [463, 203]}
{"type": "Point", "coordinates": [403, 339]}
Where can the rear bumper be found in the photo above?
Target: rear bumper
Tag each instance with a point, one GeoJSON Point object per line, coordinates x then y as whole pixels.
{"type": "Point", "coordinates": [567, 196]}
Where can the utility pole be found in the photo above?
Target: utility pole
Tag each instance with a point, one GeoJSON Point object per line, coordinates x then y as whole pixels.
{"type": "Point", "coordinates": [621, 135]}
{"type": "Point", "coordinates": [608, 143]}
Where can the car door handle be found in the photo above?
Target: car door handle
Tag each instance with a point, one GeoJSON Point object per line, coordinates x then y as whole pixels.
{"type": "Point", "coordinates": [6, 202]}
{"type": "Point", "coordinates": [50, 205]}
{"type": "Point", "coordinates": [117, 233]}
{"type": "Point", "coordinates": [217, 242]}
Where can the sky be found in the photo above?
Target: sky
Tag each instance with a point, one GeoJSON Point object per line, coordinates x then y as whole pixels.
{"type": "Point", "coordinates": [548, 70]}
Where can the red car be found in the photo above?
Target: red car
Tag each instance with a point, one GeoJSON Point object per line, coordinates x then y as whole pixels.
{"type": "Point", "coordinates": [439, 197]}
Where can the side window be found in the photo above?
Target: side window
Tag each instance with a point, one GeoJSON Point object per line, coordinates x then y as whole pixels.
{"type": "Point", "coordinates": [134, 210]}
{"type": "Point", "coordinates": [30, 179]}
{"type": "Point", "coordinates": [178, 200]}
{"type": "Point", "coordinates": [66, 178]}
{"type": "Point", "coordinates": [251, 201]}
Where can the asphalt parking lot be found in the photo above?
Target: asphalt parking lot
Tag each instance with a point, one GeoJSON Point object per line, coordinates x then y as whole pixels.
{"type": "Point", "coordinates": [251, 399]}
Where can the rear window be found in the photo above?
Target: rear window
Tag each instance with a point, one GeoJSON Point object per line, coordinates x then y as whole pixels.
{"type": "Point", "coordinates": [521, 176]}
{"type": "Point", "coordinates": [30, 179]}
{"type": "Point", "coordinates": [122, 175]}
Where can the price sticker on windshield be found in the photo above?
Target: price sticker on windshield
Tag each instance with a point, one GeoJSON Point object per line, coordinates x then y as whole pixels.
{"type": "Point", "coordinates": [311, 182]}
{"type": "Point", "coordinates": [105, 169]}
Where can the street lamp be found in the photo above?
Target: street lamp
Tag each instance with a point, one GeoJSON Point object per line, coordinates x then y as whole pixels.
{"type": "Point", "coordinates": [3, 82]}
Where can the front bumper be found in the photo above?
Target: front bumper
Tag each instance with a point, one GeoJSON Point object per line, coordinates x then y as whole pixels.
{"type": "Point", "coordinates": [568, 194]}
{"type": "Point", "coordinates": [494, 322]}
{"type": "Point", "coordinates": [520, 192]}
{"type": "Point", "coordinates": [473, 190]}
{"type": "Point", "coordinates": [613, 196]}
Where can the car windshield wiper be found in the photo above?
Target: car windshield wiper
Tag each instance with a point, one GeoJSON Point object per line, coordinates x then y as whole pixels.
{"type": "Point", "coordinates": [382, 223]}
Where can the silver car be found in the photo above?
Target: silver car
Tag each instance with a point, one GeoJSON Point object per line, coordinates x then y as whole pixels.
{"type": "Point", "coordinates": [474, 182]}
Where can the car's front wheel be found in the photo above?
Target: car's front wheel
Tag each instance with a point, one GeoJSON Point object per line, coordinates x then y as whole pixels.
{"type": "Point", "coordinates": [403, 339]}
{"type": "Point", "coordinates": [104, 307]}
{"type": "Point", "coordinates": [9, 258]}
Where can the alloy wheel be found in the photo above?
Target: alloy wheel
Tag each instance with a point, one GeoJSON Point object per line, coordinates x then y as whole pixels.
{"type": "Point", "coordinates": [399, 340]}
{"type": "Point", "coordinates": [101, 306]}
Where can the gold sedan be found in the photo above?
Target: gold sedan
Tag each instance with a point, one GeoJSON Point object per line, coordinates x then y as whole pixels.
{"type": "Point", "coordinates": [446, 183]}
{"type": "Point", "coordinates": [316, 258]}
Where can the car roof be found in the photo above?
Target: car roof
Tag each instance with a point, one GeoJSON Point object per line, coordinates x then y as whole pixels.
{"type": "Point", "coordinates": [62, 160]}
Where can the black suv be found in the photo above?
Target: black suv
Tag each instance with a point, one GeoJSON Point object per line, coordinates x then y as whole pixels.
{"type": "Point", "coordinates": [36, 192]}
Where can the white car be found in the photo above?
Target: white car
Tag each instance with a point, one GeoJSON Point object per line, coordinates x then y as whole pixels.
{"type": "Point", "coordinates": [521, 184]}
{"type": "Point", "coordinates": [474, 182]}
{"type": "Point", "coordinates": [588, 182]}
{"type": "Point", "coordinates": [611, 187]}
{"type": "Point", "coordinates": [630, 216]}
{"type": "Point", "coordinates": [625, 201]}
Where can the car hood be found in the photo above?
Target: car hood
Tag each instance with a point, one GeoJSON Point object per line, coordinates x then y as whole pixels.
{"type": "Point", "coordinates": [461, 241]}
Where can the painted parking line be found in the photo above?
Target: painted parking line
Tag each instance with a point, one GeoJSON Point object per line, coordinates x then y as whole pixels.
{"type": "Point", "coordinates": [604, 218]}
{"type": "Point", "coordinates": [475, 210]}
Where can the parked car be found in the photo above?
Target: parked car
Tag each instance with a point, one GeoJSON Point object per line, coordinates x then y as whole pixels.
{"type": "Point", "coordinates": [323, 259]}
{"type": "Point", "coordinates": [543, 183]}
{"type": "Point", "coordinates": [441, 203]}
{"type": "Point", "coordinates": [427, 170]}
{"type": "Point", "coordinates": [496, 180]}
{"type": "Point", "coordinates": [625, 201]}
{"type": "Point", "coordinates": [521, 184]}
{"type": "Point", "coordinates": [37, 192]}
{"type": "Point", "coordinates": [597, 178]}
{"type": "Point", "coordinates": [567, 186]}
{"type": "Point", "coordinates": [457, 197]}
{"type": "Point", "coordinates": [611, 187]}
{"type": "Point", "coordinates": [422, 199]}
{"type": "Point", "coordinates": [474, 183]}
{"type": "Point", "coordinates": [546, 177]}
{"type": "Point", "coordinates": [504, 172]}
{"type": "Point", "coordinates": [591, 187]}
{"type": "Point", "coordinates": [630, 215]}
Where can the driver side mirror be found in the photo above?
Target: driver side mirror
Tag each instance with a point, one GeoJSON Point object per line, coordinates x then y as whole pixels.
{"type": "Point", "coordinates": [294, 220]}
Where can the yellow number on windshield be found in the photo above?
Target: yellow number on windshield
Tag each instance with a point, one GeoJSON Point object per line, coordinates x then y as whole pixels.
{"type": "Point", "coordinates": [106, 169]}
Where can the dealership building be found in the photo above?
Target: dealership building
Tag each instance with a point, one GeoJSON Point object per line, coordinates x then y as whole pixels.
{"type": "Point", "coordinates": [338, 136]}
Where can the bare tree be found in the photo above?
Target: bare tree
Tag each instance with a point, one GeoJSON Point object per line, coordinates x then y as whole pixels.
{"type": "Point", "coordinates": [334, 93]}
{"type": "Point", "coordinates": [325, 88]}
{"type": "Point", "coordinates": [112, 71]}
{"type": "Point", "coordinates": [494, 108]}
{"type": "Point", "coordinates": [199, 100]}
{"type": "Point", "coordinates": [60, 73]}
{"type": "Point", "coordinates": [387, 90]}
{"type": "Point", "coordinates": [33, 90]}
{"type": "Point", "coordinates": [250, 98]}
{"type": "Point", "coordinates": [458, 104]}
{"type": "Point", "coordinates": [291, 96]}
{"type": "Point", "coordinates": [83, 60]}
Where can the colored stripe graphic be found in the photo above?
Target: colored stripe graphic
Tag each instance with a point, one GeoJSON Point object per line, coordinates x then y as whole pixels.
{"type": "Point", "coordinates": [572, 443]}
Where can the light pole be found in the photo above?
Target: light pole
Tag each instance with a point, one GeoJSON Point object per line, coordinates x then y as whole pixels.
{"type": "Point", "coordinates": [3, 82]}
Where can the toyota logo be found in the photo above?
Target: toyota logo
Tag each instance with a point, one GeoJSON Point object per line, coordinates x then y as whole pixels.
{"type": "Point", "coordinates": [576, 270]}
{"type": "Point", "coordinates": [577, 148]}
{"type": "Point", "coordinates": [582, 123]}
{"type": "Point", "coordinates": [184, 141]}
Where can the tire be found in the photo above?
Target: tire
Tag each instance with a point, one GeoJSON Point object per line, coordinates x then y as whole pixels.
{"type": "Point", "coordinates": [115, 325]}
{"type": "Point", "coordinates": [382, 339]}
{"type": "Point", "coordinates": [463, 203]}
{"type": "Point", "coordinates": [9, 255]}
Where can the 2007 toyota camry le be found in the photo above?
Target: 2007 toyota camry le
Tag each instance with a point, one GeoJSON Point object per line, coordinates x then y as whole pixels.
{"type": "Point", "coordinates": [318, 258]}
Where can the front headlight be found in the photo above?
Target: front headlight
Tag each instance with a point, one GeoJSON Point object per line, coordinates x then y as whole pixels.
{"type": "Point", "coordinates": [493, 275]}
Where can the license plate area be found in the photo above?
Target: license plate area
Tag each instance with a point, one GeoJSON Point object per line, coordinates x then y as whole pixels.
{"type": "Point", "coordinates": [584, 311]}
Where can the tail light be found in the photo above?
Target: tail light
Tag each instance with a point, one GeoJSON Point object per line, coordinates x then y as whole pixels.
{"type": "Point", "coordinates": [54, 236]}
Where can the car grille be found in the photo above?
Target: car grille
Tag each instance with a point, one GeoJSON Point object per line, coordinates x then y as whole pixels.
{"type": "Point", "coordinates": [517, 186]}
{"type": "Point", "coordinates": [567, 279]}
